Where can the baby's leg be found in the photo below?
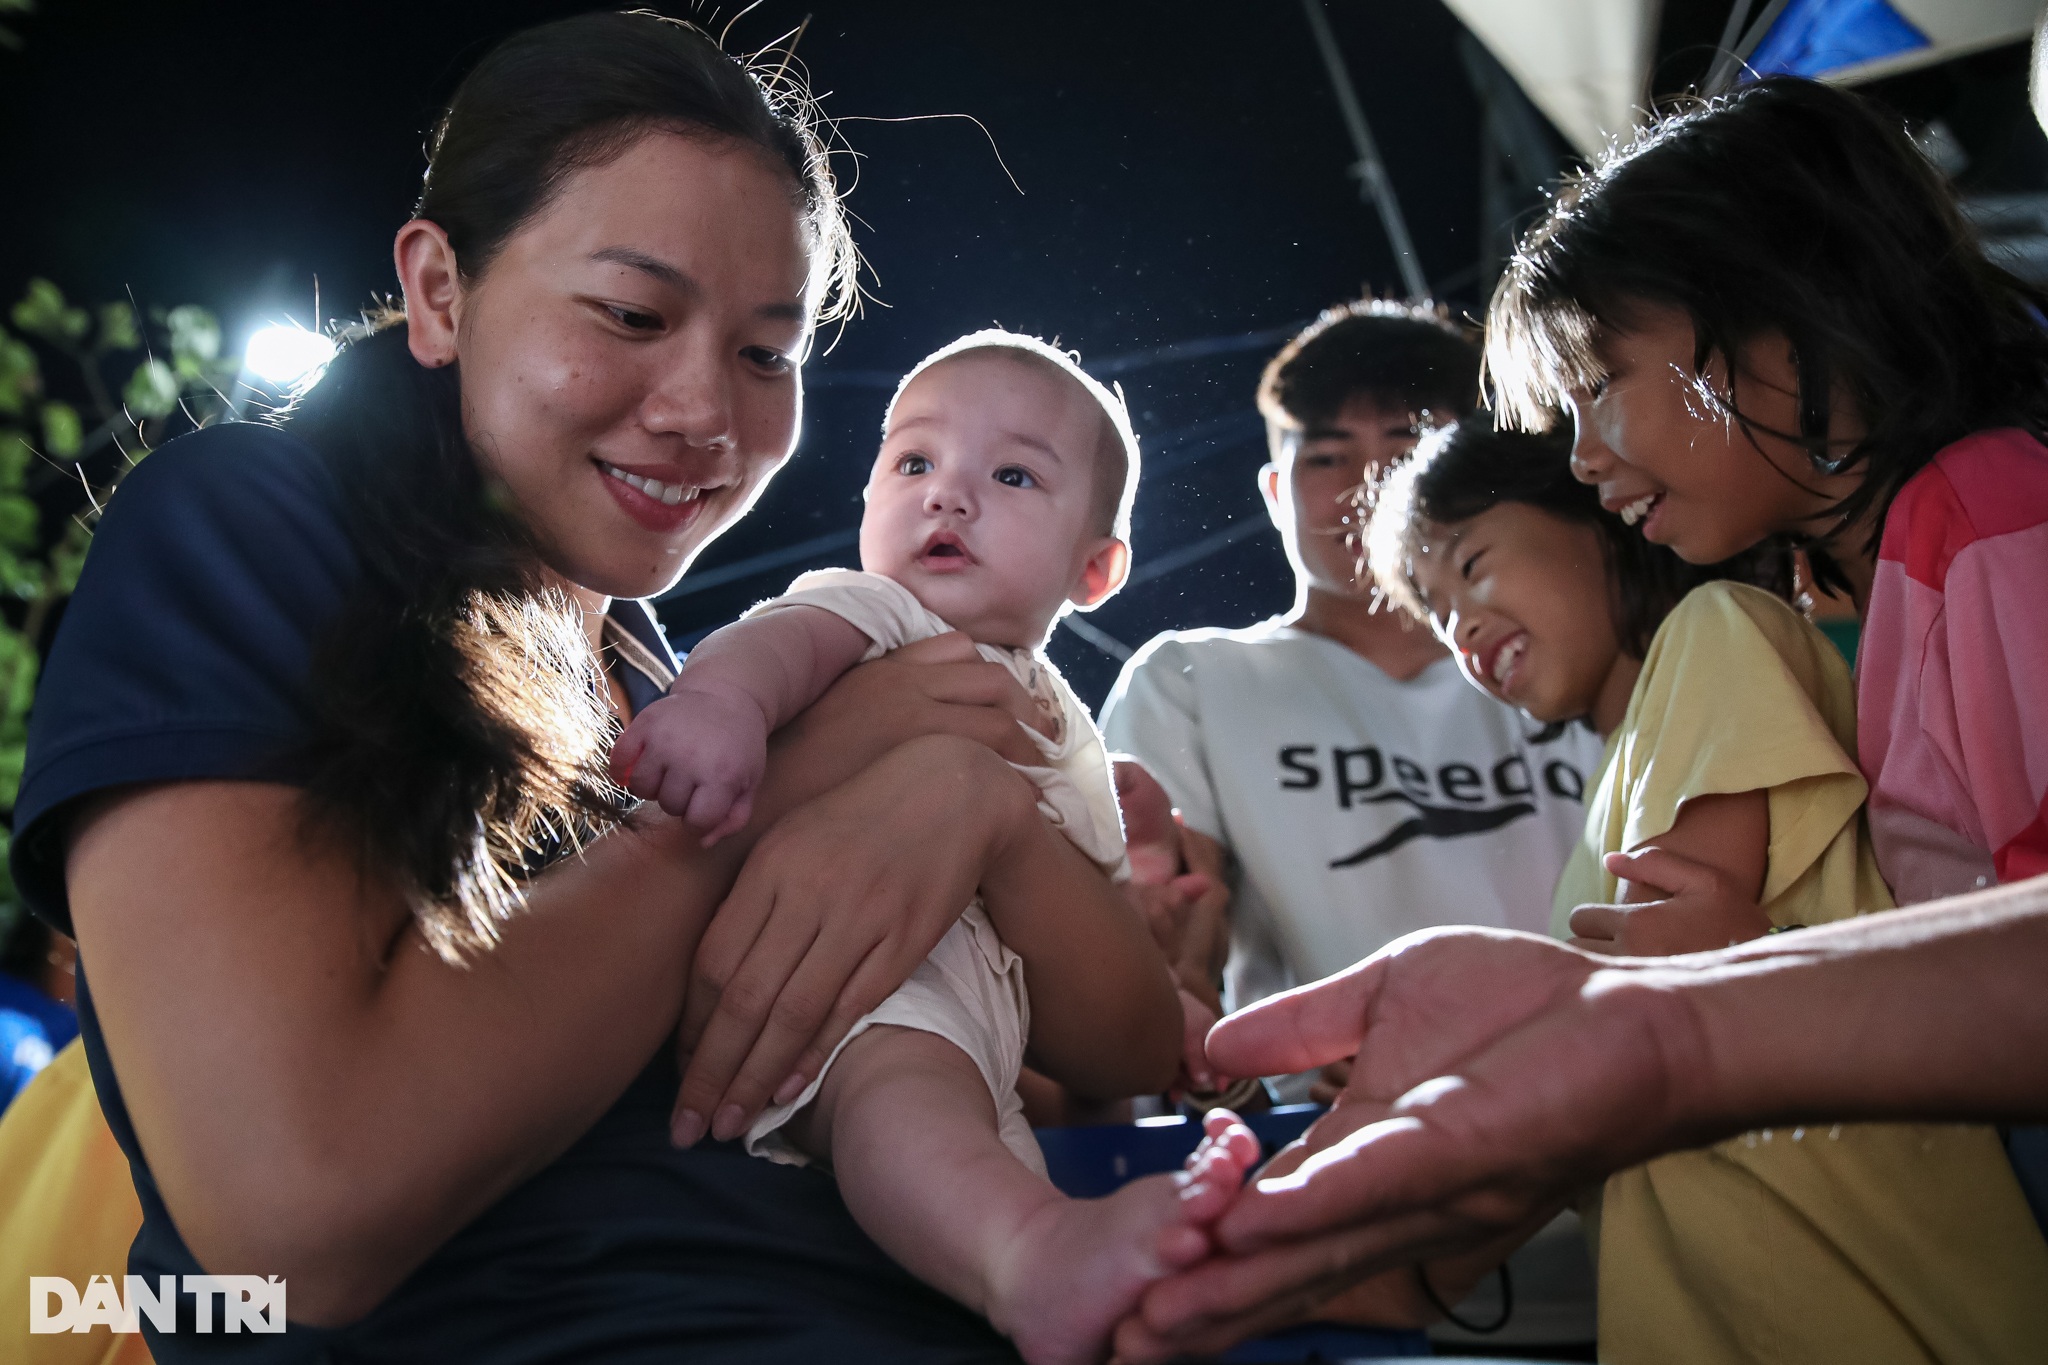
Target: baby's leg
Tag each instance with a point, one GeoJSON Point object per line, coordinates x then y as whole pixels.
{"type": "Point", "coordinates": [911, 1132]}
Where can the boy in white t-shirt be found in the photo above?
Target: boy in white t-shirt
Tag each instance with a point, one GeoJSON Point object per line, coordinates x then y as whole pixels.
{"type": "Point", "coordinates": [1333, 771]}
{"type": "Point", "coordinates": [1000, 498]}
{"type": "Point", "coordinates": [1337, 780]}
{"type": "Point", "coordinates": [1336, 776]}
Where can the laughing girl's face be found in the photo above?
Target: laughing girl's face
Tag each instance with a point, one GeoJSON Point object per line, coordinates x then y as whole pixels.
{"type": "Point", "coordinates": [1673, 466]}
{"type": "Point", "coordinates": [1521, 597]}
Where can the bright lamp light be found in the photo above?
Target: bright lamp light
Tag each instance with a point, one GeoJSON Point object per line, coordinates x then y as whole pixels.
{"type": "Point", "coordinates": [283, 354]}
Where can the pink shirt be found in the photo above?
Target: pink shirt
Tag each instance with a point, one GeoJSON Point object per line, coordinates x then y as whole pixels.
{"type": "Point", "coordinates": [1952, 672]}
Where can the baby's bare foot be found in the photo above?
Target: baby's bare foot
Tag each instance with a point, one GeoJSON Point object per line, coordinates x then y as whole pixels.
{"type": "Point", "coordinates": [1078, 1266]}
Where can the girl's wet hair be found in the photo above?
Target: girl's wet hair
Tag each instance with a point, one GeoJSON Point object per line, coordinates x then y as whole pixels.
{"type": "Point", "coordinates": [458, 725]}
{"type": "Point", "coordinates": [1458, 472]}
{"type": "Point", "coordinates": [1789, 207]}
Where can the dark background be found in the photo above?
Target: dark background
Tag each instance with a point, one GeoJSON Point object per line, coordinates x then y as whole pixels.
{"type": "Point", "coordinates": [1184, 177]}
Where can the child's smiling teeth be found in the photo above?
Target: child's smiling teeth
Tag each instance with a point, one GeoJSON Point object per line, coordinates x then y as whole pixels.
{"type": "Point", "coordinates": [670, 494]}
{"type": "Point", "coordinates": [1639, 509]}
{"type": "Point", "coordinates": [1510, 654]}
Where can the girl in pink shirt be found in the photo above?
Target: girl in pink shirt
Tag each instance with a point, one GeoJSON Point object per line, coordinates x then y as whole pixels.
{"type": "Point", "coordinates": [1768, 319]}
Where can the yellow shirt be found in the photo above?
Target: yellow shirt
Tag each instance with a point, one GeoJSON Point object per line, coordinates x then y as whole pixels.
{"type": "Point", "coordinates": [1738, 692]}
{"type": "Point", "coordinates": [1863, 1243]}
{"type": "Point", "coordinates": [67, 1207]}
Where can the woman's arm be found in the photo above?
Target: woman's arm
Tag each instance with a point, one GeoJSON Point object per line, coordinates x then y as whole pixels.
{"type": "Point", "coordinates": [319, 1096]}
{"type": "Point", "coordinates": [1498, 1072]}
{"type": "Point", "coordinates": [1727, 834]}
{"type": "Point", "coordinates": [322, 1098]}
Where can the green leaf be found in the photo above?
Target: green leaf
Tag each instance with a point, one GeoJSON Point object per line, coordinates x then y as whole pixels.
{"type": "Point", "coordinates": [41, 310]}
{"type": "Point", "coordinates": [22, 578]}
{"type": "Point", "coordinates": [17, 522]}
{"type": "Point", "coordinates": [15, 454]}
{"type": "Point", "coordinates": [117, 328]}
{"type": "Point", "coordinates": [65, 563]}
{"type": "Point", "coordinates": [18, 666]}
{"type": "Point", "coordinates": [152, 390]}
{"type": "Point", "coordinates": [13, 758]}
{"type": "Point", "coordinates": [63, 433]}
{"type": "Point", "coordinates": [20, 377]}
{"type": "Point", "coordinates": [195, 336]}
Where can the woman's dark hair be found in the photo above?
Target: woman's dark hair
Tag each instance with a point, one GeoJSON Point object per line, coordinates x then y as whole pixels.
{"type": "Point", "coordinates": [459, 727]}
{"type": "Point", "coordinates": [1461, 471]}
{"type": "Point", "coordinates": [1410, 354]}
{"type": "Point", "coordinates": [1789, 207]}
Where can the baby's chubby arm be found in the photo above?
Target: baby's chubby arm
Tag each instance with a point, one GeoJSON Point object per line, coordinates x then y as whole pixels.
{"type": "Point", "coordinates": [700, 751]}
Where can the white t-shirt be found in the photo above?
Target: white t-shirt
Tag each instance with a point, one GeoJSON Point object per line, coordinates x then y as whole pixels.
{"type": "Point", "coordinates": [1357, 808]}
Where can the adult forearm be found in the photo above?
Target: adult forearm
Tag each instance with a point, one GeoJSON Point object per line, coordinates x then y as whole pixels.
{"type": "Point", "coordinates": [1105, 1021]}
{"type": "Point", "coordinates": [1928, 1013]}
{"type": "Point", "coordinates": [319, 1095]}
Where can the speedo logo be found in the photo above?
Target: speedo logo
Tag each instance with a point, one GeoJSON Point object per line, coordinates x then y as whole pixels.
{"type": "Point", "coordinates": [1445, 802]}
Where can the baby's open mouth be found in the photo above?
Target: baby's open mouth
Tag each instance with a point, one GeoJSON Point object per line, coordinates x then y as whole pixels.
{"type": "Point", "coordinates": [945, 547]}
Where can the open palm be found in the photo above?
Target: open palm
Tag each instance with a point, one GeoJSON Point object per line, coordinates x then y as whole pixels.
{"type": "Point", "coordinates": [1495, 1073]}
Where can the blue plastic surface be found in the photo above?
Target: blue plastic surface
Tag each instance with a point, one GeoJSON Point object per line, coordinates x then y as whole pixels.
{"type": "Point", "coordinates": [1814, 37]}
{"type": "Point", "coordinates": [1088, 1163]}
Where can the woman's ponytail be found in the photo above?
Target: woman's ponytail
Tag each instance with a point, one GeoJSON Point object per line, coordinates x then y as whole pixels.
{"type": "Point", "coordinates": [459, 729]}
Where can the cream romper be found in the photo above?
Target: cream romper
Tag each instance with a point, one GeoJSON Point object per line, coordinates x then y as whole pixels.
{"type": "Point", "coordinates": [970, 991]}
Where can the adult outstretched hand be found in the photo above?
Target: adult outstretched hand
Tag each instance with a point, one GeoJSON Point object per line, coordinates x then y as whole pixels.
{"type": "Point", "coordinates": [1495, 1073]}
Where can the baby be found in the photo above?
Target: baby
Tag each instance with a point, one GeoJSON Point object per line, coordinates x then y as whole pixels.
{"type": "Point", "coordinates": [1001, 496]}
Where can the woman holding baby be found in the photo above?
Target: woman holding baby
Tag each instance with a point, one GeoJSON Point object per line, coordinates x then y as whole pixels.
{"type": "Point", "coordinates": [379, 976]}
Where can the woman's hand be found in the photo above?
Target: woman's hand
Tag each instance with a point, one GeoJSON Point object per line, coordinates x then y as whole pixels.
{"type": "Point", "coordinates": [835, 907]}
{"type": "Point", "coordinates": [939, 686]}
{"type": "Point", "coordinates": [1674, 905]}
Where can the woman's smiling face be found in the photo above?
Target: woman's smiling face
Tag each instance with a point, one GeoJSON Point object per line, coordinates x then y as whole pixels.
{"type": "Point", "coordinates": [1676, 468]}
{"type": "Point", "coordinates": [630, 357]}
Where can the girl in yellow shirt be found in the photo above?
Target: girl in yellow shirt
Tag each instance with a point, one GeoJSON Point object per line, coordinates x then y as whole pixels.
{"type": "Point", "coordinates": [1730, 722]}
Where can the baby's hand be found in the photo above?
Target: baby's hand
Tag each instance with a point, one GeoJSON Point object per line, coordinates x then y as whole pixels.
{"type": "Point", "coordinates": [700, 754]}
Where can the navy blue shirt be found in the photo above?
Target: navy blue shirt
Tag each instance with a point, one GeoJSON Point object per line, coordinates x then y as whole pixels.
{"type": "Point", "coordinates": [184, 655]}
